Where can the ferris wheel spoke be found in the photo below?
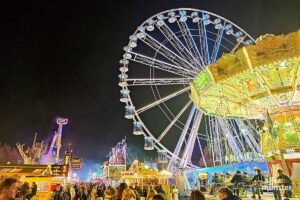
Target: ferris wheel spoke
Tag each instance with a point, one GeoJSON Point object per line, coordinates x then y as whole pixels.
{"type": "Point", "coordinates": [248, 136]}
{"type": "Point", "coordinates": [205, 41]}
{"type": "Point", "coordinates": [157, 81]}
{"type": "Point", "coordinates": [188, 150]}
{"type": "Point", "coordinates": [174, 121]}
{"type": "Point", "coordinates": [175, 94]}
{"type": "Point", "coordinates": [217, 44]}
{"type": "Point", "coordinates": [161, 65]}
{"type": "Point", "coordinates": [215, 141]}
{"type": "Point", "coordinates": [230, 138]}
{"type": "Point", "coordinates": [166, 52]}
{"type": "Point", "coordinates": [182, 137]}
{"type": "Point", "coordinates": [201, 151]}
{"type": "Point", "coordinates": [189, 40]}
{"type": "Point", "coordinates": [202, 42]}
{"type": "Point", "coordinates": [178, 45]}
{"type": "Point", "coordinates": [237, 136]}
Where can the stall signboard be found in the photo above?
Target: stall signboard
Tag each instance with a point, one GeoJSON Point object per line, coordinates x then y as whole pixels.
{"type": "Point", "coordinates": [115, 171]}
{"type": "Point", "coordinates": [57, 170]}
{"type": "Point", "coordinates": [76, 164]}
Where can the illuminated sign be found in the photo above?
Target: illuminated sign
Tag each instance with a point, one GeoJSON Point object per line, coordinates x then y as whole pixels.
{"type": "Point", "coordinates": [56, 170]}
{"type": "Point", "coordinates": [115, 171]}
{"type": "Point", "coordinates": [76, 164]}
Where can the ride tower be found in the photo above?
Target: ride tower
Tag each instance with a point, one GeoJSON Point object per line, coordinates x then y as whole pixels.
{"type": "Point", "coordinates": [53, 154]}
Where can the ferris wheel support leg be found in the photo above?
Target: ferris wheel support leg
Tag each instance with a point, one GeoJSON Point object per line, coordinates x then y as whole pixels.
{"type": "Point", "coordinates": [249, 136]}
{"type": "Point", "coordinates": [232, 143]}
{"type": "Point", "coordinates": [181, 139]}
{"type": "Point", "coordinates": [186, 157]}
{"type": "Point", "coordinates": [201, 151]}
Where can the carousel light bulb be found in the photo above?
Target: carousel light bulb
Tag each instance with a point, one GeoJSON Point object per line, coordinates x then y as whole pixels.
{"type": "Point", "coordinates": [283, 64]}
{"type": "Point", "coordinates": [288, 124]}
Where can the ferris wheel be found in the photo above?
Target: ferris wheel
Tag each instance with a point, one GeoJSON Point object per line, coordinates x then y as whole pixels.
{"type": "Point", "coordinates": [163, 55]}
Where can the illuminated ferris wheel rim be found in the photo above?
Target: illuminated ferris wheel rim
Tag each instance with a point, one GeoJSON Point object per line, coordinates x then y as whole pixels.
{"type": "Point", "coordinates": [154, 20]}
{"type": "Point", "coordinates": [196, 10]}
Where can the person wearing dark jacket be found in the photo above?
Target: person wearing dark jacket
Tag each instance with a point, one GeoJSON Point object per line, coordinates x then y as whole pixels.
{"type": "Point", "coordinates": [82, 195]}
{"type": "Point", "coordinates": [58, 193]}
{"type": "Point", "coordinates": [247, 184]}
{"type": "Point", "coordinates": [227, 194]}
{"type": "Point", "coordinates": [33, 190]}
{"type": "Point", "coordinates": [238, 181]}
{"type": "Point", "coordinates": [286, 182]}
{"type": "Point", "coordinates": [258, 180]}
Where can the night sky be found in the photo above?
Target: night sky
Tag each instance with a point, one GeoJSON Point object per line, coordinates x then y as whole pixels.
{"type": "Point", "coordinates": [60, 58]}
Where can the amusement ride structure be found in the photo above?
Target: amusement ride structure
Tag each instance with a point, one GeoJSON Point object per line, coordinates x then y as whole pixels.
{"type": "Point", "coordinates": [259, 81]}
{"type": "Point", "coordinates": [39, 153]}
{"type": "Point", "coordinates": [53, 153]}
{"type": "Point", "coordinates": [164, 55]}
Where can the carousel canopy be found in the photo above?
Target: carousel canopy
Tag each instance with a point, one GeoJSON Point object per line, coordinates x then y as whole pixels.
{"type": "Point", "coordinates": [252, 81]}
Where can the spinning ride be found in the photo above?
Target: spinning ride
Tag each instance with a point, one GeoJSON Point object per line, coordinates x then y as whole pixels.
{"type": "Point", "coordinates": [259, 82]}
{"type": "Point", "coordinates": [164, 54]}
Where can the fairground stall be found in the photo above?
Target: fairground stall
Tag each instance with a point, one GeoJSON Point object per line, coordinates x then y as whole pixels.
{"type": "Point", "coordinates": [145, 176]}
{"type": "Point", "coordinates": [45, 176]}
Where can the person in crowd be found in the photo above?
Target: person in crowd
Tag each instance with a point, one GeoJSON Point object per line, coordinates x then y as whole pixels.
{"type": "Point", "coordinates": [138, 190]}
{"type": "Point", "coordinates": [121, 188]}
{"type": "Point", "coordinates": [24, 192]}
{"type": "Point", "coordinates": [145, 191]}
{"type": "Point", "coordinates": [227, 180]}
{"type": "Point", "coordinates": [33, 191]}
{"type": "Point", "coordinates": [82, 193]}
{"type": "Point", "coordinates": [217, 183]}
{"type": "Point", "coordinates": [286, 182]}
{"type": "Point", "coordinates": [110, 194]}
{"type": "Point", "coordinates": [77, 193]}
{"type": "Point", "coordinates": [150, 194]}
{"type": "Point", "coordinates": [66, 193]}
{"type": "Point", "coordinates": [174, 192]}
{"type": "Point", "coordinates": [258, 181]}
{"type": "Point", "coordinates": [159, 196]}
{"type": "Point", "coordinates": [57, 194]}
{"type": "Point", "coordinates": [72, 192]}
{"type": "Point", "coordinates": [226, 194]}
{"type": "Point", "coordinates": [100, 191]}
{"type": "Point", "coordinates": [197, 195]}
{"type": "Point", "coordinates": [159, 189]}
{"type": "Point", "coordinates": [237, 181]}
{"type": "Point", "coordinates": [93, 193]}
{"type": "Point", "coordinates": [8, 189]}
{"type": "Point", "coordinates": [247, 184]}
{"type": "Point", "coordinates": [85, 190]}
{"type": "Point", "coordinates": [128, 194]}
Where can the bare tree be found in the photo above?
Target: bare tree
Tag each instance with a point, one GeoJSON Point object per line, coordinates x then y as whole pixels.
{"type": "Point", "coordinates": [9, 154]}
{"type": "Point", "coordinates": [31, 155]}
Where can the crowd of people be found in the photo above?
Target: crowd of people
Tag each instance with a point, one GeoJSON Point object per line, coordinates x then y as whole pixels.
{"type": "Point", "coordinates": [241, 183]}
{"type": "Point", "coordinates": [227, 188]}
{"type": "Point", "coordinates": [89, 191]}
{"type": "Point", "coordinates": [9, 189]}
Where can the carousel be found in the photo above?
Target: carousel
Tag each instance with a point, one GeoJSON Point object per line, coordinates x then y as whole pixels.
{"type": "Point", "coordinates": [259, 82]}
